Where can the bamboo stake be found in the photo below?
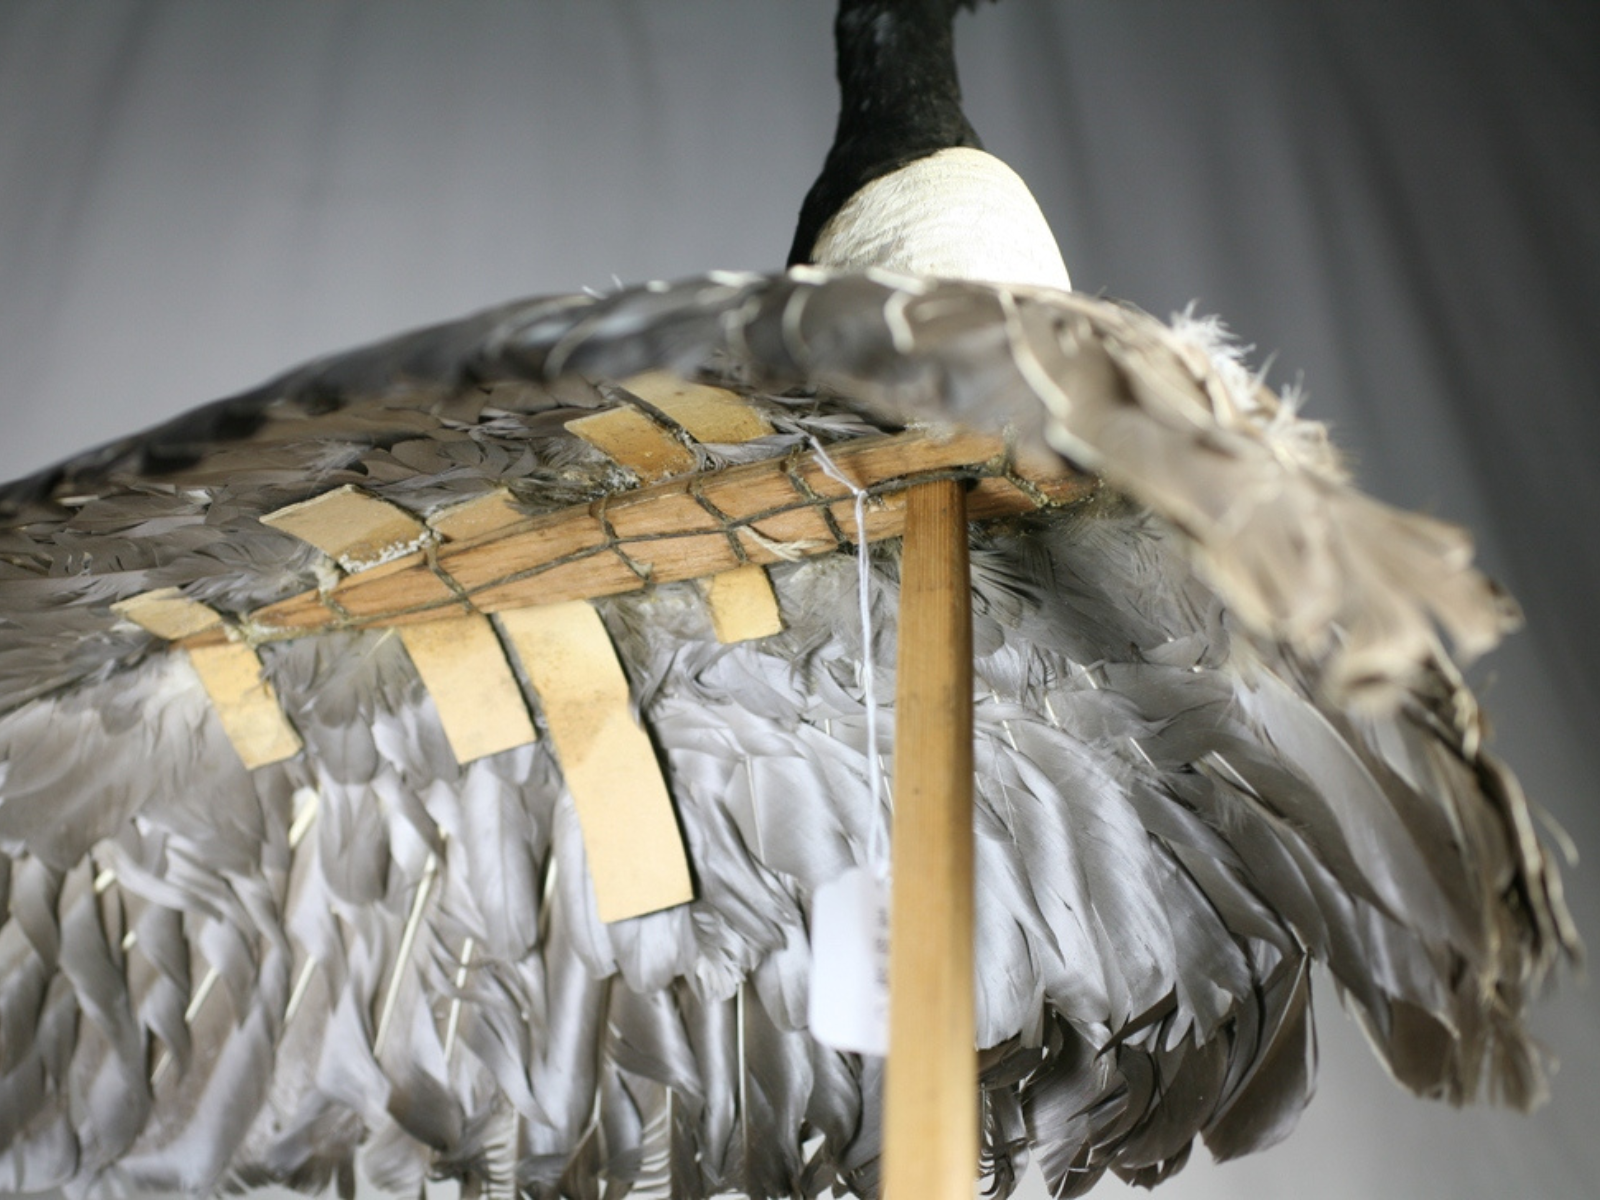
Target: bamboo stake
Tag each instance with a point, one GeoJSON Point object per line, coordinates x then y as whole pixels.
{"type": "Point", "coordinates": [930, 1103]}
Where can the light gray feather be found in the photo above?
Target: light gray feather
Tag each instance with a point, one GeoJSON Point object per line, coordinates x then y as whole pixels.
{"type": "Point", "coordinates": [1218, 738]}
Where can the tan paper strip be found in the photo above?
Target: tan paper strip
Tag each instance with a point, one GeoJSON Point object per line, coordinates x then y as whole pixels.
{"type": "Point", "coordinates": [168, 613]}
{"type": "Point", "coordinates": [357, 529]}
{"type": "Point", "coordinates": [743, 605]}
{"type": "Point", "coordinates": [245, 703]}
{"type": "Point", "coordinates": [635, 441]}
{"type": "Point", "coordinates": [476, 517]}
{"type": "Point", "coordinates": [708, 414]}
{"type": "Point", "coordinates": [465, 671]}
{"type": "Point", "coordinates": [630, 832]}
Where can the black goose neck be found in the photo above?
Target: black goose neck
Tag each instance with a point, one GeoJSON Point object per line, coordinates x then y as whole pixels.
{"type": "Point", "coordinates": [900, 100]}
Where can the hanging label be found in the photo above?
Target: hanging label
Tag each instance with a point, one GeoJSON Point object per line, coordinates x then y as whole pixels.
{"type": "Point", "coordinates": [849, 1002]}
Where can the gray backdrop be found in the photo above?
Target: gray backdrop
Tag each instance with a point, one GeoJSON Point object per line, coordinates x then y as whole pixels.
{"type": "Point", "coordinates": [1398, 204]}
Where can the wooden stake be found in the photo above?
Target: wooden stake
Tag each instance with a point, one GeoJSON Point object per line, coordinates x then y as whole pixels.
{"type": "Point", "coordinates": [931, 1102]}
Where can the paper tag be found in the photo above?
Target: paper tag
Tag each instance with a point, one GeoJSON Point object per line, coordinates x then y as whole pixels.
{"type": "Point", "coordinates": [850, 962]}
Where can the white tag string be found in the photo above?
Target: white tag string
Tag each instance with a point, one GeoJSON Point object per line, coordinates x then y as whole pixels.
{"type": "Point", "coordinates": [877, 851]}
{"type": "Point", "coordinates": [848, 1004]}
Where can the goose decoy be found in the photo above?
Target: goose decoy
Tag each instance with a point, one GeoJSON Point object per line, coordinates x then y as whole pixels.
{"type": "Point", "coordinates": [433, 756]}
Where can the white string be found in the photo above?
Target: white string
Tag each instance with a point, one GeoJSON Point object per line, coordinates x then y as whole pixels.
{"type": "Point", "coordinates": [877, 854]}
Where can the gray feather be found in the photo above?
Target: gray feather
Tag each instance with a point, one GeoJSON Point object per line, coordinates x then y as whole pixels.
{"type": "Point", "coordinates": [1218, 739]}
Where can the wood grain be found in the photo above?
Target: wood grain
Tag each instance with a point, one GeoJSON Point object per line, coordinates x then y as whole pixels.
{"type": "Point", "coordinates": [491, 557]}
{"type": "Point", "coordinates": [930, 1104]}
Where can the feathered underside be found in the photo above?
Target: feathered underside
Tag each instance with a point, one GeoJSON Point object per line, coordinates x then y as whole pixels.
{"type": "Point", "coordinates": [1218, 737]}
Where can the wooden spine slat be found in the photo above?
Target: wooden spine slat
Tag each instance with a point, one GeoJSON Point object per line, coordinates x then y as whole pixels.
{"type": "Point", "coordinates": [680, 529]}
{"type": "Point", "coordinates": [930, 1106]}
